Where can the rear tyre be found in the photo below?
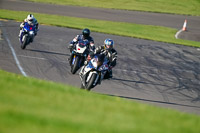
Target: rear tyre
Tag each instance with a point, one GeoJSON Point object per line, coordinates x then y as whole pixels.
{"type": "Point", "coordinates": [90, 85]}
{"type": "Point", "coordinates": [75, 66]}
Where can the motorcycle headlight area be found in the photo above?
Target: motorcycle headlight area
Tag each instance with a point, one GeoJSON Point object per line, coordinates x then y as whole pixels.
{"type": "Point", "coordinates": [31, 32]}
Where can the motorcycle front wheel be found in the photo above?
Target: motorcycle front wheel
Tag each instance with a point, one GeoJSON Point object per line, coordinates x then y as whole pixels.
{"type": "Point", "coordinates": [24, 43]}
{"type": "Point", "coordinates": [75, 66]}
{"type": "Point", "coordinates": [89, 85]}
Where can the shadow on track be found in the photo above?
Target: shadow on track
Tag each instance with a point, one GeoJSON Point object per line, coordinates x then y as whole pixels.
{"type": "Point", "coordinates": [153, 101]}
{"type": "Point", "coordinates": [47, 52]}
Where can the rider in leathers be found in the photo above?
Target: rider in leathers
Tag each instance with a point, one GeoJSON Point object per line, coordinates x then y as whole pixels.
{"type": "Point", "coordinates": [31, 20]}
{"type": "Point", "coordinates": [110, 53]}
{"type": "Point", "coordinates": [85, 36]}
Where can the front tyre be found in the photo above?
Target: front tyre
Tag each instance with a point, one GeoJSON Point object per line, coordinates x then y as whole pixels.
{"type": "Point", "coordinates": [24, 43]}
{"type": "Point", "coordinates": [75, 66]}
{"type": "Point", "coordinates": [90, 85]}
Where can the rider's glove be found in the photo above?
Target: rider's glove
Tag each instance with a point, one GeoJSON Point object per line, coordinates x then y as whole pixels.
{"type": "Point", "coordinates": [91, 54]}
{"type": "Point", "coordinates": [110, 67]}
{"type": "Point", "coordinates": [70, 46]}
{"type": "Point", "coordinates": [85, 63]}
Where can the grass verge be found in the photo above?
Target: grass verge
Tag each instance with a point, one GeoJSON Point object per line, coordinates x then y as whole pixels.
{"type": "Point", "coordinates": [29, 105]}
{"type": "Point", "coordinates": [186, 7]}
{"type": "Point", "coordinates": [156, 33]}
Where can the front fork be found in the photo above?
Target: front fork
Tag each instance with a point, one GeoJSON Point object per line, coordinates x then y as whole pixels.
{"type": "Point", "coordinates": [73, 59]}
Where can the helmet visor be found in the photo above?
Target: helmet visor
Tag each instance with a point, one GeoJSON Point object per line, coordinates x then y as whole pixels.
{"type": "Point", "coordinates": [31, 20]}
{"type": "Point", "coordinates": [85, 35]}
{"type": "Point", "coordinates": [109, 46]}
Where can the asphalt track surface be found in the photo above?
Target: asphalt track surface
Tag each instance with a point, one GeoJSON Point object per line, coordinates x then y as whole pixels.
{"type": "Point", "coordinates": [147, 71]}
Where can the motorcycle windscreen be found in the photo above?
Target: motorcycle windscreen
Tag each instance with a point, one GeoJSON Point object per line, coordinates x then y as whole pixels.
{"type": "Point", "coordinates": [29, 27]}
{"type": "Point", "coordinates": [82, 44]}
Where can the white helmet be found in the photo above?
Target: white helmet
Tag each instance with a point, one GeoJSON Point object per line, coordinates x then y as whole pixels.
{"type": "Point", "coordinates": [30, 18]}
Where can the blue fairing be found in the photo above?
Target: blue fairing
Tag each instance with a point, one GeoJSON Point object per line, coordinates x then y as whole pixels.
{"type": "Point", "coordinates": [90, 65]}
{"type": "Point", "coordinates": [27, 28]}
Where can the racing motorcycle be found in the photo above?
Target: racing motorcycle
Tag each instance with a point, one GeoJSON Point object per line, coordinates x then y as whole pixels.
{"type": "Point", "coordinates": [93, 73]}
{"type": "Point", "coordinates": [80, 53]}
{"type": "Point", "coordinates": [27, 35]}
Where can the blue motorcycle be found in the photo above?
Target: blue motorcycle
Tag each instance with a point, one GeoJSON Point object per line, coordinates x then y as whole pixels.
{"type": "Point", "coordinates": [27, 35]}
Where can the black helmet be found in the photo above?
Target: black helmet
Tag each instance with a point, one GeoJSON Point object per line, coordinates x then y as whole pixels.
{"type": "Point", "coordinates": [86, 33]}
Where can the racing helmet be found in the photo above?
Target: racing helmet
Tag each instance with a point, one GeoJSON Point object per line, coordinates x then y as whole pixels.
{"type": "Point", "coordinates": [108, 44]}
{"type": "Point", "coordinates": [86, 33]}
{"type": "Point", "coordinates": [30, 18]}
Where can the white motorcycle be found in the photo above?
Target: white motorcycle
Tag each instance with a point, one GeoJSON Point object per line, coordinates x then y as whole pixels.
{"type": "Point", "coordinates": [93, 73]}
{"type": "Point", "coordinates": [80, 53]}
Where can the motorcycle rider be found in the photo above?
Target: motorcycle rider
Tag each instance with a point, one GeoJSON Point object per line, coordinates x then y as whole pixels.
{"type": "Point", "coordinates": [31, 20]}
{"type": "Point", "coordinates": [110, 53]}
{"type": "Point", "coordinates": [85, 36]}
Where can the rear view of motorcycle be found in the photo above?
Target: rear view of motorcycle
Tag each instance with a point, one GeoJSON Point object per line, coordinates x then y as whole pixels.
{"type": "Point", "coordinates": [27, 35]}
{"type": "Point", "coordinates": [80, 53]}
{"type": "Point", "coordinates": [93, 73]}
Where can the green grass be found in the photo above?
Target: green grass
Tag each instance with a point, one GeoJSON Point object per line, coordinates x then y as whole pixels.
{"type": "Point", "coordinates": [187, 7]}
{"type": "Point", "coordinates": [156, 33]}
{"type": "Point", "coordinates": [29, 105]}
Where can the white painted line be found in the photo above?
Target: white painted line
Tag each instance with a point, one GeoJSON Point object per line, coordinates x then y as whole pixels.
{"type": "Point", "coordinates": [178, 33]}
{"type": "Point", "coordinates": [13, 53]}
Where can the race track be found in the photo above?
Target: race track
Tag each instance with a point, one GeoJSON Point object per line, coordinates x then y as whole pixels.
{"type": "Point", "coordinates": [158, 73]}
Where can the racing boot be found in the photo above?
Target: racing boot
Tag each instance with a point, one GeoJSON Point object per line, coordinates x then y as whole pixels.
{"type": "Point", "coordinates": [110, 74]}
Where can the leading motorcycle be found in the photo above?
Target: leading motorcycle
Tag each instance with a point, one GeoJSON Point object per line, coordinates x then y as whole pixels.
{"type": "Point", "coordinates": [27, 35]}
{"type": "Point", "coordinates": [93, 73]}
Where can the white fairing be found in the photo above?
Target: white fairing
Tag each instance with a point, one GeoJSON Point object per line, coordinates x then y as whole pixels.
{"type": "Point", "coordinates": [89, 70]}
{"type": "Point", "coordinates": [90, 74]}
{"type": "Point", "coordinates": [79, 49]}
{"type": "Point", "coordinates": [86, 69]}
